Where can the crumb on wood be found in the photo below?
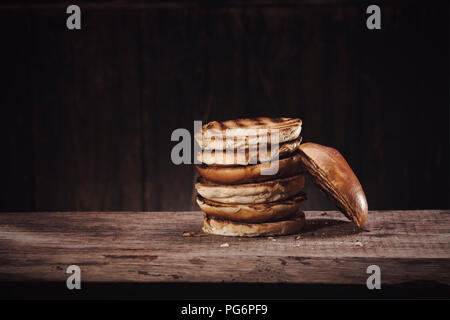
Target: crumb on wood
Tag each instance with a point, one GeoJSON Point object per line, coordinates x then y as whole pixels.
{"type": "Point", "coordinates": [224, 245]}
{"type": "Point", "coordinates": [297, 237]}
{"type": "Point", "coordinates": [188, 234]}
{"type": "Point", "coordinates": [358, 243]}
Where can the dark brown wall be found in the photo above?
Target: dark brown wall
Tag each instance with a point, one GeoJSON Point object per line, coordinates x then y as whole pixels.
{"type": "Point", "coordinates": [86, 116]}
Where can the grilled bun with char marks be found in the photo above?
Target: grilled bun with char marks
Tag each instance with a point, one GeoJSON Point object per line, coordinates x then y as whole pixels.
{"type": "Point", "coordinates": [248, 156]}
{"type": "Point", "coordinates": [247, 133]}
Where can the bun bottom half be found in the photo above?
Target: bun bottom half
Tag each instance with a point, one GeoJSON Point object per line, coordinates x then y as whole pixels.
{"type": "Point", "coordinates": [252, 173]}
{"type": "Point", "coordinates": [289, 225]}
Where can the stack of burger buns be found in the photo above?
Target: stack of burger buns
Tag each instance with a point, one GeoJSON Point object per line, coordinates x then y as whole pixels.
{"type": "Point", "coordinates": [238, 189]}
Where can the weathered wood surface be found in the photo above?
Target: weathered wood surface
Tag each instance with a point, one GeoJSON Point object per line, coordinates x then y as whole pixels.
{"type": "Point", "coordinates": [150, 247]}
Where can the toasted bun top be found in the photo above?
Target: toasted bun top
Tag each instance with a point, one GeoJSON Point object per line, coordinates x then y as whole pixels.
{"type": "Point", "coordinates": [247, 133]}
{"type": "Point", "coordinates": [255, 123]}
{"type": "Point", "coordinates": [334, 176]}
{"type": "Point", "coordinates": [249, 156]}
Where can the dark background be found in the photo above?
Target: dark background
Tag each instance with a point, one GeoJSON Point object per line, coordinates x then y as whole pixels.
{"type": "Point", "coordinates": [86, 116]}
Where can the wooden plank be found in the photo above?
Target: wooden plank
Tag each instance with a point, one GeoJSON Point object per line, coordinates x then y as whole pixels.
{"type": "Point", "coordinates": [149, 247]}
{"type": "Point", "coordinates": [86, 114]}
{"type": "Point", "coordinates": [90, 112]}
{"type": "Point", "coordinates": [397, 62]}
{"type": "Point", "coordinates": [16, 114]}
{"type": "Point", "coordinates": [174, 4]}
{"type": "Point", "coordinates": [174, 78]}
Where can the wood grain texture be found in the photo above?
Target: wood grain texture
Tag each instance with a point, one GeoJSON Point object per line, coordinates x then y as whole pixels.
{"type": "Point", "coordinates": [88, 114]}
{"type": "Point", "coordinates": [150, 247]}
{"type": "Point", "coordinates": [90, 148]}
{"type": "Point", "coordinates": [16, 116]}
{"type": "Point", "coordinates": [174, 4]}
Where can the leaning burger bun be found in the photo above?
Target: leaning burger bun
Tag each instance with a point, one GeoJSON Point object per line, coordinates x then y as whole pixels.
{"type": "Point", "coordinates": [251, 173]}
{"type": "Point", "coordinates": [251, 212]}
{"type": "Point", "coordinates": [291, 225]}
{"type": "Point", "coordinates": [247, 133]}
{"type": "Point", "coordinates": [251, 193]}
{"type": "Point", "coordinates": [333, 175]}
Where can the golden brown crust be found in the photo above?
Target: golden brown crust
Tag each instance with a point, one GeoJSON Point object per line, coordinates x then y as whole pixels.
{"type": "Point", "coordinates": [251, 193]}
{"type": "Point", "coordinates": [248, 174]}
{"type": "Point", "coordinates": [291, 225]}
{"type": "Point", "coordinates": [334, 176]}
{"type": "Point", "coordinates": [248, 156]}
{"type": "Point", "coordinates": [287, 129]}
{"type": "Point", "coordinates": [251, 212]}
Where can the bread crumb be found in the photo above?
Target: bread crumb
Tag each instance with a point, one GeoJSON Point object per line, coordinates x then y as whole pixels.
{"type": "Point", "coordinates": [187, 234]}
{"type": "Point", "coordinates": [297, 238]}
{"type": "Point", "coordinates": [224, 245]}
{"type": "Point", "coordinates": [358, 243]}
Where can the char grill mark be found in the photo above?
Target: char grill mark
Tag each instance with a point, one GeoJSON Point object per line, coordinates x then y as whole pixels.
{"type": "Point", "coordinates": [222, 125]}
{"type": "Point", "coordinates": [259, 121]}
{"type": "Point", "coordinates": [239, 123]}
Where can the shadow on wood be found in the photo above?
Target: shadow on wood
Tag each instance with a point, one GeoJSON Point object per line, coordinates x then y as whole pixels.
{"type": "Point", "coordinates": [328, 228]}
